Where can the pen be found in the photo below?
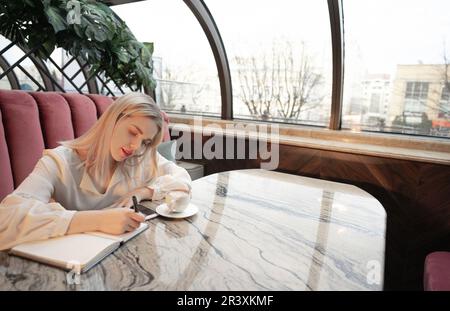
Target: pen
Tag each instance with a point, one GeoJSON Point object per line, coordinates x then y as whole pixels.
{"type": "Point", "coordinates": [135, 204]}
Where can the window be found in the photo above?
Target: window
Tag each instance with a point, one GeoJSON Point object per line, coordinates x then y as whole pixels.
{"type": "Point", "coordinates": [416, 97]}
{"type": "Point", "coordinates": [29, 77]}
{"type": "Point", "coordinates": [402, 47]}
{"type": "Point", "coordinates": [4, 82]}
{"type": "Point", "coordinates": [183, 63]}
{"type": "Point", "coordinates": [279, 54]}
{"type": "Point", "coordinates": [375, 103]}
{"type": "Point", "coordinates": [72, 71]}
{"type": "Point", "coordinates": [444, 104]}
{"type": "Point", "coordinates": [26, 73]}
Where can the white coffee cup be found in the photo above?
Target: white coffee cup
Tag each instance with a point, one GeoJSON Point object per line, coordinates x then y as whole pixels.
{"type": "Point", "coordinates": [177, 201]}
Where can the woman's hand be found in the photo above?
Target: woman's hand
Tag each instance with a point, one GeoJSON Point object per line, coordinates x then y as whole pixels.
{"type": "Point", "coordinates": [112, 221]}
{"type": "Point", "coordinates": [142, 193]}
{"type": "Point", "coordinates": [119, 220]}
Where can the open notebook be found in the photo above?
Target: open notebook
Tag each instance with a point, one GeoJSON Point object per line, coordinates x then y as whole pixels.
{"type": "Point", "coordinates": [81, 251]}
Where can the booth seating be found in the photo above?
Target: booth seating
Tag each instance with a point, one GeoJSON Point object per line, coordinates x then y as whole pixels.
{"type": "Point", "coordinates": [33, 121]}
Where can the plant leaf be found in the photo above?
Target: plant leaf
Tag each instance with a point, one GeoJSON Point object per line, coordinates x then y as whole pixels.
{"type": "Point", "coordinates": [55, 19]}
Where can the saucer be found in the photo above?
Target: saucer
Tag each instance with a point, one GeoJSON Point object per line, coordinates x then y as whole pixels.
{"type": "Point", "coordinates": [163, 210]}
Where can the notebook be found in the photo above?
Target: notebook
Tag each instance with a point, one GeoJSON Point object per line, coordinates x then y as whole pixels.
{"type": "Point", "coordinates": [76, 251]}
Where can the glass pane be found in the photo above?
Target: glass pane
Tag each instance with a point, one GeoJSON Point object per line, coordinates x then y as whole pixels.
{"type": "Point", "coordinates": [397, 61]}
{"type": "Point", "coordinates": [61, 58]}
{"type": "Point", "coordinates": [183, 62]}
{"type": "Point", "coordinates": [4, 82]}
{"type": "Point", "coordinates": [12, 55]}
{"type": "Point", "coordinates": [280, 58]}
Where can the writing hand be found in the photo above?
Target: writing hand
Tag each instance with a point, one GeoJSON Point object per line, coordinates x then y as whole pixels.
{"type": "Point", "coordinates": [119, 220]}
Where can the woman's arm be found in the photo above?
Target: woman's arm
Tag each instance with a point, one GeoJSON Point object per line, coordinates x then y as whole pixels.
{"type": "Point", "coordinates": [171, 177]}
{"type": "Point", "coordinates": [27, 215]}
{"type": "Point", "coordinates": [113, 221]}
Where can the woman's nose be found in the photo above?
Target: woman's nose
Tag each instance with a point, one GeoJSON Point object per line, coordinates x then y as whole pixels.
{"type": "Point", "coordinates": [134, 145]}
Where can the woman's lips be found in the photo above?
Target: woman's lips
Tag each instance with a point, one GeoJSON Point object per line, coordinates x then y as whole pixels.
{"type": "Point", "coordinates": [125, 152]}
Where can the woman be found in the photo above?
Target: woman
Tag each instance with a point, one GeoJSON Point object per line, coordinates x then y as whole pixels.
{"type": "Point", "coordinates": [87, 184]}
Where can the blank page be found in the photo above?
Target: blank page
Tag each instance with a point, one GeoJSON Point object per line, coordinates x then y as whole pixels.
{"type": "Point", "coordinates": [61, 251]}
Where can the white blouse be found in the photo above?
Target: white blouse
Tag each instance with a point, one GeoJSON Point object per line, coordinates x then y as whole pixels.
{"type": "Point", "coordinates": [29, 213]}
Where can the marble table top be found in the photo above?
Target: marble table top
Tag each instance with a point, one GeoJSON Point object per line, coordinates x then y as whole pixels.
{"type": "Point", "coordinates": [255, 230]}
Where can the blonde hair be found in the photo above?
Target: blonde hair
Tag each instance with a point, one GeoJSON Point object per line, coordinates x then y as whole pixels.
{"type": "Point", "coordinates": [97, 140]}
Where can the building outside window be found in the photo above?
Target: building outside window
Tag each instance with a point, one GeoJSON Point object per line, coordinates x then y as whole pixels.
{"type": "Point", "coordinates": [405, 41]}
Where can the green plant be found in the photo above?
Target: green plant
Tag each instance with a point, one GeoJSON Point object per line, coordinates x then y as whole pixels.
{"type": "Point", "coordinates": [100, 38]}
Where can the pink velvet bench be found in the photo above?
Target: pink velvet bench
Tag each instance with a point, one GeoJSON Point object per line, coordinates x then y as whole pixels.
{"type": "Point", "coordinates": [437, 272]}
{"type": "Point", "coordinates": [33, 121]}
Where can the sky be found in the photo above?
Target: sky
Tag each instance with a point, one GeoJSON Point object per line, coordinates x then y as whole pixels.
{"type": "Point", "coordinates": [382, 32]}
{"type": "Point", "coordinates": [245, 26]}
{"type": "Point", "coordinates": [390, 32]}
{"type": "Point", "coordinates": [176, 34]}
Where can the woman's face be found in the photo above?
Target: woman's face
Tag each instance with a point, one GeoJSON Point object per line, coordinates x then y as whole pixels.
{"type": "Point", "coordinates": [130, 134]}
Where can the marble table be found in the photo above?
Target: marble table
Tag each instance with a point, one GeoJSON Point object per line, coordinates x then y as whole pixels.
{"type": "Point", "coordinates": [256, 230]}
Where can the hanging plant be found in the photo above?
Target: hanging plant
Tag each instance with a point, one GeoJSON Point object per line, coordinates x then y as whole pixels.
{"type": "Point", "coordinates": [89, 30]}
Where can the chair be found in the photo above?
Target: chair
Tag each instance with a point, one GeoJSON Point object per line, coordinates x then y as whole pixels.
{"type": "Point", "coordinates": [437, 272]}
